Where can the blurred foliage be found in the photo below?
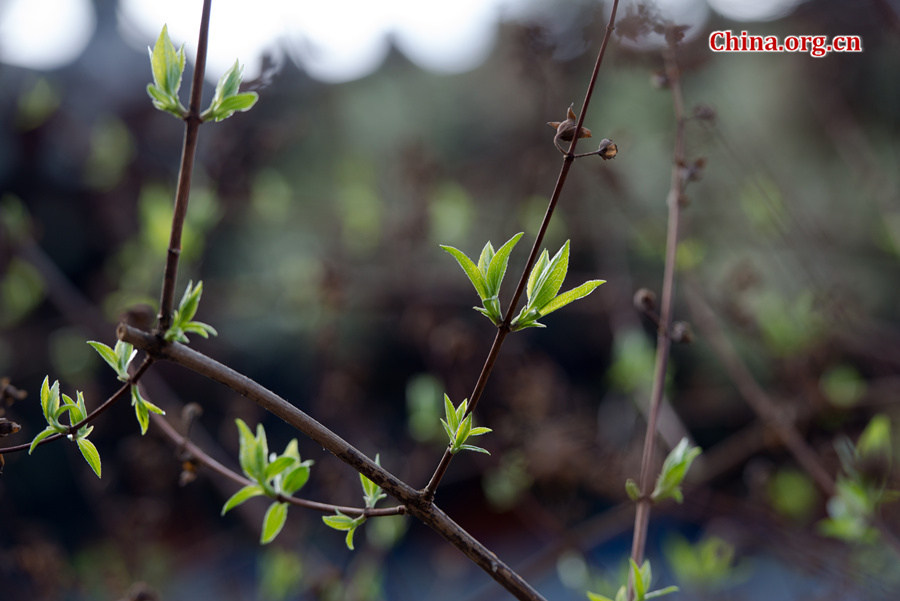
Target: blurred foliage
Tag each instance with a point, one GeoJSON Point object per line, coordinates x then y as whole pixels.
{"type": "Point", "coordinates": [315, 221]}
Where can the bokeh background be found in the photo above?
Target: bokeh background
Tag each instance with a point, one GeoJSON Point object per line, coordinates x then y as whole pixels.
{"type": "Point", "coordinates": [382, 131]}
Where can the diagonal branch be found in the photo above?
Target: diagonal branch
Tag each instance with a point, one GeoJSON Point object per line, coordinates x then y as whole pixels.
{"type": "Point", "coordinates": [414, 501]}
{"type": "Point", "coordinates": [504, 327]}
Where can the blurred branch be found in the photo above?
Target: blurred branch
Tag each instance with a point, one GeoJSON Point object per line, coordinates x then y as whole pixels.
{"type": "Point", "coordinates": [664, 336]}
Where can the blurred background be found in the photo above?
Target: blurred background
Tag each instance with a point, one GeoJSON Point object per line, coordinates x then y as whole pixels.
{"type": "Point", "coordinates": [382, 131]}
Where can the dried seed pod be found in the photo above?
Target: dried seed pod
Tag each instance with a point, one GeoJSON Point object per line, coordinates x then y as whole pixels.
{"type": "Point", "coordinates": [704, 112]}
{"type": "Point", "coordinates": [608, 149]}
{"type": "Point", "coordinates": [565, 130]}
{"type": "Point", "coordinates": [7, 427]}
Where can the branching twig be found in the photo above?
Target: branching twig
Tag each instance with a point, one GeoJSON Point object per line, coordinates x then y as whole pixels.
{"type": "Point", "coordinates": [664, 339]}
{"type": "Point", "coordinates": [504, 327]}
{"type": "Point", "coordinates": [182, 193]}
{"type": "Point", "coordinates": [123, 390]}
{"type": "Point", "coordinates": [414, 501]}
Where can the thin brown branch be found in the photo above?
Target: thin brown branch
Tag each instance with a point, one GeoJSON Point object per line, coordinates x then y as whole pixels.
{"type": "Point", "coordinates": [504, 327]}
{"type": "Point", "coordinates": [200, 456]}
{"type": "Point", "coordinates": [71, 430]}
{"type": "Point", "coordinates": [183, 191]}
{"type": "Point", "coordinates": [413, 500]}
{"type": "Point", "coordinates": [664, 339]}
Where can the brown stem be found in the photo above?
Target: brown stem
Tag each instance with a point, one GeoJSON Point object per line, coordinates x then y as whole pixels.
{"type": "Point", "coordinates": [676, 188]}
{"type": "Point", "coordinates": [182, 193]}
{"type": "Point", "coordinates": [118, 394]}
{"type": "Point", "coordinates": [200, 456]}
{"type": "Point", "coordinates": [504, 327]}
{"type": "Point", "coordinates": [413, 500]}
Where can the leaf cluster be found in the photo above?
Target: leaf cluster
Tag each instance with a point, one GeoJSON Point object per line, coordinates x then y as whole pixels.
{"type": "Point", "coordinates": [372, 493]}
{"type": "Point", "coordinates": [674, 469]}
{"type": "Point", "coordinates": [119, 358]}
{"type": "Point", "coordinates": [275, 476]}
{"type": "Point", "coordinates": [167, 66]}
{"type": "Point", "coordinates": [182, 317]}
{"type": "Point", "coordinates": [542, 292]}
{"type": "Point", "coordinates": [53, 410]}
{"type": "Point", "coordinates": [642, 578]}
{"type": "Point", "coordinates": [862, 487]}
{"type": "Point", "coordinates": [458, 427]}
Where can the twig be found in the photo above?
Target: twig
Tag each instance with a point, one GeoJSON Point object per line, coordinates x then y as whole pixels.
{"type": "Point", "coordinates": [183, 191]}
{"type": "Point", "coordinates": [504, 327]}
{"type": "Point", "coordinates": [200, 456]}
{"type": "Point", "coordinates": [416, 505]}
{"type": "Point", "coordinates": [664, 340]}
{"type": "Point", "coordinates": [118, 394]}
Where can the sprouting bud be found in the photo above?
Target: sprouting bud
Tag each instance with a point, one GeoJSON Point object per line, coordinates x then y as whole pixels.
{"type": "Point", "coordinates": [694, 171]}
{"type": "Point", "coordinates": [565, 130]}
{"type": "Point", "coordinates": [682, 332]}
{"type": "Point", "coordinates": [188, 473]}
{"type": "Point", "coordinates": [645, 300]}
{"type": "Point", "coordinates": [607, 149]}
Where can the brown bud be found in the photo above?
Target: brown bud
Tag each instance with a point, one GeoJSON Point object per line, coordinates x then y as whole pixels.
{"type": "Point", "coordinates": [608, 149]}
{"type": "Point", "coordinates": [682, 332]}
{"type": "Point", "coordinates": [645, 300]}
{"type": "Point", "coordinates": [7, 427]}
{"type": "Point", "coordinates": [565, 130]}
{"type": "Point", "coordinates": [188, 473]}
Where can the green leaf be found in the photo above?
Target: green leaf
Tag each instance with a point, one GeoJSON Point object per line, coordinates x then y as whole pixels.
{"type": "Point", "coordinates": [238, 103]}
{"type": "Point", "coordinates": [640, 588]}
{"type": "Point", "coordinates": [539, 266]}
{"type": "Point", "coordinates": [166, 63]}
{"type": "Point", "coordinates": [279, 465]}
{"type": "Point", "coordinates": [479, 431]}
{"type": "Point", "coordinates": [471, 270]}
{"type": "Point", "coordinates": [469, 447]}
{"type": "Point", "coordinates": [572, 295]}
{"type": "Point", "coordinates": [484, 260]}
{"type": "Point", "coordinates": [452, 419]}
{"type": "Point", "coordinates": [244, 494]}
{"type": "Point", "coordinates": [631, 487]}
{"type": "Point", "coordinates": [296, 478]}
{"type": "Point", "coordinates": [48, 431]}
{"type": "Point", "coordinates": [339, 521]}
{"type": "Point", "coordinates": [875, 441]}
{"type": "Point", "coordinates": [663, 591]}
{"type": "Point", "coordinates": [76, 410]}
{"type": "Point", "coordinates": [261, 457]}
{"type": "Point", "coordinates": [674, 469]}
{"type": "Point", "coordinates": [596, 597]}
{"type": "Point", "coordinates": [187, 308]}
{"type": "Point", "coordinates": [549, 283]}
{"type": "Point", "coordinates": [247, 452]}
{"type": "Point", "coordinates": [106, 353]}
{"type": "Point", "coordinates": [90, 453]}
{"type": "Point", "coordinates": [273, 522]}
{"type": "Point", "coordinates": [229, 82]}
{"type": "Point", "coordinates": [498, 264]}
{"type": "Point", "coordinates": [198, 327]}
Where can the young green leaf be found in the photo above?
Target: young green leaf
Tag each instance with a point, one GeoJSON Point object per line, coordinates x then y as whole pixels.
{"type": "Point", "coordinates": [143, 408]}
{"type": "Point", "coordinates": [296, 478]}
{"type": "Point", "coordinates": [496, 268]}
{"type": "Point", "coordinates": [273, 522]}
{"type": "Point", "coordinates": [48, 431]}
{"type": "Point", "coordinates": [550, 281]}
{"type": "Point", "coordinates": [597, 597]}
{"type": "Point", "coordinates": [539, 267]}
{"type": "Point", "coordinates": [572, 295]}
{"type": "Point", "coordinates": [472, 271]}
{"type": "Point", "coordinates": [247, 453]}
{"type": "Point", "coordinates": [244, 494]}
{"type": "Point", "coordinates": [663, 591]}
{"type": "Point", "coordinates": [339, 521]}
{"type": "Point", "coordinates": [674, 469]}
{"type": "Point", "coordinates": [106, 353]}
{"type": "Point", "coordinates": [279, 465]}
{"type": "Point", "coordinates": [90, 453]}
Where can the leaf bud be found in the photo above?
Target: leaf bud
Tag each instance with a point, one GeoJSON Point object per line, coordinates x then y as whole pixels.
{"type": "Point", "coordinates": [645, 300]}
{"type": "Point", "coordinates": [682, 332]}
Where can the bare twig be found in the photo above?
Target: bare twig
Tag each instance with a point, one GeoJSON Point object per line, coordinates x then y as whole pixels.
{"type": "Point", "coordinates": [183, 191]}
{"type": "Point", "coordinates": [664, 339]}
{"type": "Point", "coordinates": [504, 327]}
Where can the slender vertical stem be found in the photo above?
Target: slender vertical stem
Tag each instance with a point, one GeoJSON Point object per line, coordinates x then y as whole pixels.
{"type": "Point", "coordinates": [504, 327]}
{"type": "Point", "coordinates": [182, 193]}
{"type": "Point", "coordinates": [676, 188]}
